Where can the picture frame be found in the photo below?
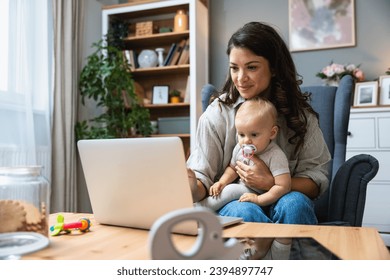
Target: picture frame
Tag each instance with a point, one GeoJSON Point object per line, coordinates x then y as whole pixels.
{"type": "Point", "coordinates": [384, 90]}
{"type": "Point", "coordinates": [366, 94]}
{"type": "Point", "coordinates": [321, 24]}
{"type": "Point", "coordinates": [160, 95]}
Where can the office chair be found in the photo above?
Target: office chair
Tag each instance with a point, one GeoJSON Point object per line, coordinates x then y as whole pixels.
{"type": "Point", "coordinates": [343, 202]}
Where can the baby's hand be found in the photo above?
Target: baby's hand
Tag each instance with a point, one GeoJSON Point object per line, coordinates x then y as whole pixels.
{"type": "Point", "coordinates": [215, 189]}
{"type": "Point", "coordinates": [248, 197]}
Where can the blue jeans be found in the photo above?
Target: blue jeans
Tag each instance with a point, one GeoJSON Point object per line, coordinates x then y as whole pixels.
{"type": "Point", "coordinates": [292, 208]}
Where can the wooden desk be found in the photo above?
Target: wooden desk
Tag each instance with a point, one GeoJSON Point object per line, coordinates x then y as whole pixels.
{"type": "Point", "coordinates": [113, 243]}
{"type": "Point", "coordinates": [348, 243]}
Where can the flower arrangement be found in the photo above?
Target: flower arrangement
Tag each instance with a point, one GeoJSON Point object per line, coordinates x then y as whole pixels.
{"type": "Point", "coordinates": [334, 72]}
{"type": "Point", "coordinates": [388, 71]}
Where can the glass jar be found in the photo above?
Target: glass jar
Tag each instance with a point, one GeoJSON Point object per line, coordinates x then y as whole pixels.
{"type": "Point", "coordinates": [181, 21]}
{"type": "Point", "coordinates": [24, 200]}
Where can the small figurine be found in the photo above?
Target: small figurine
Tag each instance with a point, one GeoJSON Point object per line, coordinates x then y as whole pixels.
{"type": "Point", "coordinates": [82, 225]}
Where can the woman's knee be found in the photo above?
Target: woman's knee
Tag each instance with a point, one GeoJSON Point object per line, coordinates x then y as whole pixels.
{"type": "Point", "coordinates": [294, 208]}
{"type": "Point", "coordinates": [296, 200]}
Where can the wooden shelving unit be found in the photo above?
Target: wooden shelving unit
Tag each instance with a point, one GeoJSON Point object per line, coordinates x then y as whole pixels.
{"type": "Point", "coordinates": [183, 77]}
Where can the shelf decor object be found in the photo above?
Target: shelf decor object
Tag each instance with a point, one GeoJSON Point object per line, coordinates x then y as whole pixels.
{"type": "Point", "coordinates": [147, 59]}
{"type": "Point", "coordinates": [181, 21]}
{"type": "Point", "coordinates": [160, 55]}
{"type": "Point", "coordinates": [143, 28]}
{"type": "Point", "coordinates": [174, 96]}
{"type": "Point", "coordinates": [384, 90]}
{"type": "Point", "coordinates": [366, 94]}
{"type": "Point", "coordinates": [160, 95]}
{"type": "Point", "coordinates": [332, 73]}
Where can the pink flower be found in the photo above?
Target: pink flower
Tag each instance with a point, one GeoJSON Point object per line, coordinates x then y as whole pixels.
{"type": "Point", "coordinates": [335, 71]}
{"type": "Point", "coordinates": [358, 74]}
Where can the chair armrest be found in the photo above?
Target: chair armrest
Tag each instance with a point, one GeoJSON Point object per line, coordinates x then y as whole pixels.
{"type": "Point", "coordinates": [347, 196]}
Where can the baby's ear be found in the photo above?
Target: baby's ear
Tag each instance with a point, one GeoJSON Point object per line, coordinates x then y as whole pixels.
{"type": "Point", "coordinates": [274, 131]}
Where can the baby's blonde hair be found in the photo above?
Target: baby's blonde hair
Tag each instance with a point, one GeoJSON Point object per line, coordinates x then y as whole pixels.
{"type": "Point", "coordinates": [261, 107]}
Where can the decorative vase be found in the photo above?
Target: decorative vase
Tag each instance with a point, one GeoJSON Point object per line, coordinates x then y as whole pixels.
{"type": "Point", "coordinates": [160, 52]}
{"type": "Point", "coordinates": [333, 83]}
{"type": "Point", "coordinates": [181, 21]}
{"type": "Point", "coordinates": [147, 58]}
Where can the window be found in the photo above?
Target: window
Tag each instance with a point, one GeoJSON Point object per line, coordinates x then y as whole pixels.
{"type": "Point", "coordinates": [4, 30]}
{"type": "Point", "coordinates": [25, 82]}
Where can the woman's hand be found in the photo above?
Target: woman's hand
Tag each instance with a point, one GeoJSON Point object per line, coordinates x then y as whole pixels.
{"type": "Point", "coordinates": [197, 189]}
{"type": "Point", "coordinates": [256, 176]}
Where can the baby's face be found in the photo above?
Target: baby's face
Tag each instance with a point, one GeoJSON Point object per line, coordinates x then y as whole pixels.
{"type": "Point", "coordinates": [255, 131]}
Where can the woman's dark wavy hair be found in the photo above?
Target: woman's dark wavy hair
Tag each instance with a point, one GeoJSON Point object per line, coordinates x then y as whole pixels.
{"type": "Point", "coordinates": [285, 93]}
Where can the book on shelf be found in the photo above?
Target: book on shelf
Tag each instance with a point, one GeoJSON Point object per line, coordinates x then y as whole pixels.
{"type": "Point", "coordinates": [185, 54]}
{"type": "Point", "coordinates": [178, 52]}
{"type": "Point", "coordinates": [135, 58]}
{"type": "Point", "coordinates": [129, 55]}
{"type": "Point", "coordinates": [168, 58]}
{"type": "Point", "coordinates": [126, 56]}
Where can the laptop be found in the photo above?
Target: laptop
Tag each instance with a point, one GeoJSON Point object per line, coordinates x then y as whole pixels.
{"type": "Point", "coordinates": [132, 182]}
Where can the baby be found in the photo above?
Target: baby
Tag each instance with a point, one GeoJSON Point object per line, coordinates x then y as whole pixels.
{"type": "Point", "coordinates": [256, 127]}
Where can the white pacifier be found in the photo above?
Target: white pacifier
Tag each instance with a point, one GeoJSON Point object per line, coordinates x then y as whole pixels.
{"type": "Point", "coordinates": [248, 150]}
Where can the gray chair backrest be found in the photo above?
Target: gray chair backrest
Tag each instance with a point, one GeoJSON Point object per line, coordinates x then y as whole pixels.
{"type": "Point", "coordinates": [333, 106]}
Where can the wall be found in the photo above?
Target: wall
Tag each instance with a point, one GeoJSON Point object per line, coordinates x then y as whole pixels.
{"type": "Point", "coordinates": [92, 33]}
{"type": "Point", "coordinates": [372, 23]}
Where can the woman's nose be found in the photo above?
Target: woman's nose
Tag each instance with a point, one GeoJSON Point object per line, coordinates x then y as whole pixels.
{"type": "Point", "coordinates": [242, 76]}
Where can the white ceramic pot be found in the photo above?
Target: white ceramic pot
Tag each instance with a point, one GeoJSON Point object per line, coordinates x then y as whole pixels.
{"type": "Point", "coordinates": [147, 58]}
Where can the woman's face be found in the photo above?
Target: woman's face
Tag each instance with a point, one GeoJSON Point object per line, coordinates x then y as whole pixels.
{"type": "Point", "coordinates": [250, 73]}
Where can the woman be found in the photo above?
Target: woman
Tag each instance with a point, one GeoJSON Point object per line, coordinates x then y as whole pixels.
{"type": "Point", "coordinates": [261, 65]}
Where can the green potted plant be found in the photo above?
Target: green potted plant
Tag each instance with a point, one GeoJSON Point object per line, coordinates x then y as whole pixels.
{"type": "Point", "coordinates": [106, 78]}
{"type": "Point", "coordinates": [175, 96]}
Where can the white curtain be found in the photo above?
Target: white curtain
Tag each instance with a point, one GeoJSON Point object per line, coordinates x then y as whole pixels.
{"type": "Point", "coordinates": [26, 83]}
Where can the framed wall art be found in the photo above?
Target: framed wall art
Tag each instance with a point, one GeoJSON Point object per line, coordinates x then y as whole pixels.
{"type": "Point", "coordinates": [366, 94]}
{"type": "Point", "coordinates": [160, 95]}
{"type": "Point", "coordinates": [321, 24]}
{"type": "Point", "coordinates": [384, 90]}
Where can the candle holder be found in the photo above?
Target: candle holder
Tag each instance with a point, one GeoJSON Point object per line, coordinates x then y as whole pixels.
{"type": "Point", "coordinates": [160, 56]}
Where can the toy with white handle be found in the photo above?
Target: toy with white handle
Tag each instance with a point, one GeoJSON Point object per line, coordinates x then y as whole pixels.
{"type": "Point", "coordinates": [209, 244]}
